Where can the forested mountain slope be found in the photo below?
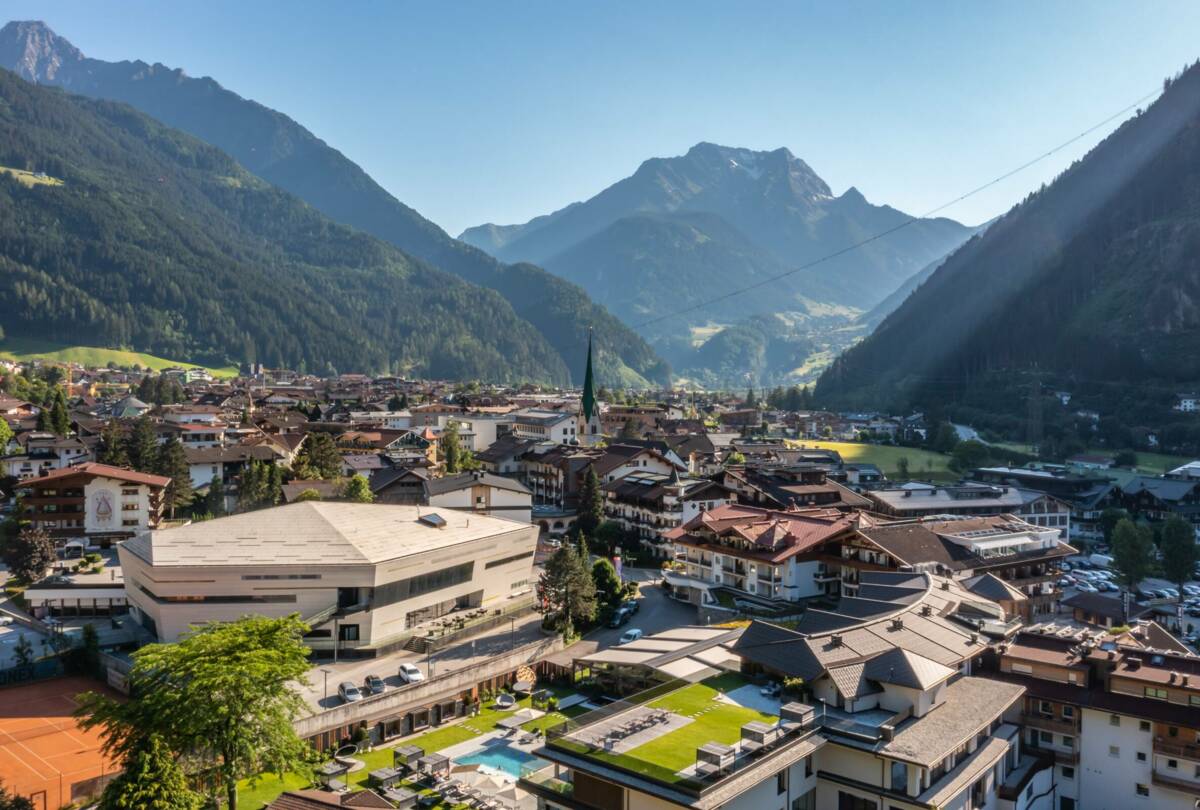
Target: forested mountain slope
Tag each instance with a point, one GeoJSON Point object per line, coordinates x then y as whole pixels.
{"type": "Point", "coordinates": [156, 241]}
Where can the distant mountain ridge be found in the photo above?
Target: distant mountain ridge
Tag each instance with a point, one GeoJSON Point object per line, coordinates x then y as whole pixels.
{"type": "Point", "coordinates": [772, 198]}
{"type": "Point", "coordinates": [281, 151]}
{"type": "Point", "coordinates": [142, 236]}
{"type": "Point", "coordinates": [683, 230]}
{"type": "Point", "coordinates": [1094, 278]}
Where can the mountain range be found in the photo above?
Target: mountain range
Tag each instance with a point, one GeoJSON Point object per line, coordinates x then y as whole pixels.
{"type": "Point", "coordinates": [682, 230]}
{"type": "Point", "coordinates": [279, 150]}
{"type": "Point", "coordinates": [118, 231]}
{"type": "Point", "coordinates": [1091, 284]}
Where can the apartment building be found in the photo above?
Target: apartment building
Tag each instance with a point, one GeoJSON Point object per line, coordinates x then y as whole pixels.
{"type": "Point", "coordinates": [755, 553]}
{"type": "Point", "coordinates": [652, 504]}
{"type": "Point", "coordinates": [1023, 555]}
{"type": "Point", "coordinates": [890, 715]}
{"type": "Point", "coordinates": [95, 502]}
{"type": "Point", "coordinates": [1113, 717]}
{"type": "Point", "coordinates": [359, 574]}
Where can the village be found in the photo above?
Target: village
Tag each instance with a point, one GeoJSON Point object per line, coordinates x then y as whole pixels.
{"type": "Point", "coordinates": [764, 616]}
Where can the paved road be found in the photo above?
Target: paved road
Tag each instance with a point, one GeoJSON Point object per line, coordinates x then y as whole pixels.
{"type": "Point", "coordinates": [658, 612]}
{"type": "Point", "coordinates": [321, 691]}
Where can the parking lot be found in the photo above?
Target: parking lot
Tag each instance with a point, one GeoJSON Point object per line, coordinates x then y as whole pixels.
{"type": "Point", "coordinates": [1150, 592]}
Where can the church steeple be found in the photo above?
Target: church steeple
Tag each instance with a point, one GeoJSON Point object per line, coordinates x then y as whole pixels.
{"type": "Point", "coordinates": [590, 430]}
{"type": "Point", "coordinates": [589, 393]}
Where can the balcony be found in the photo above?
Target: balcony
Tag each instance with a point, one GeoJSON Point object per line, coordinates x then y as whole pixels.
{"type": "Point", "coordinates": [1164, 779]}
{"type": "Point", "coordinates": [1176, 749]}
{"type": "Point", "coordinates": [1050, 723]}
{"type": "Point", "coordinates": [1068, 757]}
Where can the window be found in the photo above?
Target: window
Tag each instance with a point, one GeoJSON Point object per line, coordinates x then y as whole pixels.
{"type": "Point", "coordinates": [402, 589]}
{"type": "Point", "coordinates": [899, 777]}
{"type": "Point", "coordinates": [1144, 725]}
{"type": "Point", "coordinates": [348, 632]}
{"type": "Point", "coordinates": [781, 781]}
{"type": "Point", "coordinates": [1046, 737]}
{"type": "Point", "coordinates": [505, 560]}
{"type": "Point", "coordinates": [129, 492]}
{"type": "Point", "coordinates": [848, 801]}
{"type": "Point", "coordinates": [1114, 750]}
{"type": "Point", "coordinates": [1194, 700]}
{"type": "Point", "coordinates": [1114, 719]}
{"type": "Point", "coordinates": [1172, 731]}
{"type": "Point", "coordinates": [1068, 772]}
{"type": "Point", "coordinates": [1141, 756]}
{"type": "Point", "coordinates": [1156, 692]}
{"type": "Point", "coordinates": [1066, 803]}
{"type": "Point", "coordinates": [1045, 707]}
{"type": "Point", "coordinates": [1173, 764]}
{"type": "Point", "coordinates": [808, 769]}
{"type": "Point", "coordinates": [1068, 742]}
{"type": "Point", "coordinates": [1068, 711]}
{"type": "Point", "coordinates": [1196, 772]}
{"type": "Point", "coordinates": [132, 522]}
{"type": "Point", "coordinates": [1142, 790]}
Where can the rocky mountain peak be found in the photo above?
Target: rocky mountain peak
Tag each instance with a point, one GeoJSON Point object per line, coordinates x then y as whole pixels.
{"type": "Point", "coordinates": [34, 50]}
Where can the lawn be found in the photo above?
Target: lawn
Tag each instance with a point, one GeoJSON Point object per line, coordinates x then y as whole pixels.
{"type": "Point", "coordinates": [94, 357]}
{"type": "Point", "coordinates": [269, 786]}
{"type": "Point", "coordinates": [663, 757]}
{"type": "Point", "coordinates": [921, 463]}
{"type": "Point", "coordinates": [29, 178]}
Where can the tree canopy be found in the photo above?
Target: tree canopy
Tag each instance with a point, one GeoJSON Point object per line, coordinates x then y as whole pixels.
{"type": "Point", "coordinates": [223, 696]}
{"type": "Point", "coordinates": [1132, 551]}
{"type": "Point", "coordinates": [566, 591]}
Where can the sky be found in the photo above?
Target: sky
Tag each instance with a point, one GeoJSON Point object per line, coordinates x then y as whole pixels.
{"type": "Point", "coordinates": [477, 112]}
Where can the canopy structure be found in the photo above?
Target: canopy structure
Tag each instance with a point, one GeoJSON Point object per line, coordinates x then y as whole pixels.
{"type": "Point", "coordinates": [520, 718]}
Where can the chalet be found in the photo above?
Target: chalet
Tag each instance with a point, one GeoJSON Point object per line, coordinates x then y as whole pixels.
{"type": "Point", "coordinates": [96, 502]}
{"type": "Point", "coordinates": [480, 492]}
{"type": "Point", "coordinates": [651, 504]}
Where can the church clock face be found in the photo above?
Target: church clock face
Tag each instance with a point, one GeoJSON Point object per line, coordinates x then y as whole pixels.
{"type": "Point", "coordinates": [102, 507]}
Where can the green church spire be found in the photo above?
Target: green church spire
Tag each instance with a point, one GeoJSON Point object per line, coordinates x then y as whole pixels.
{"type": "Point", "coordinates": [589, 392]}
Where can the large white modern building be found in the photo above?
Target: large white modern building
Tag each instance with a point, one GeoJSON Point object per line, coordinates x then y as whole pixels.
{"type": "Point", "coordinates": [359, 574]}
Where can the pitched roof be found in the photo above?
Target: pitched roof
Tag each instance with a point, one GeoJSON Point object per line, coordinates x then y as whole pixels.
{"type": "Point", "coordinates": [100, 471]}
{"type": "Point", "coordinates": [321, 799]}
{"type": "Point", "coordinates": [453, 483]}
{"type": "Point", "coordinates": [904, 668]}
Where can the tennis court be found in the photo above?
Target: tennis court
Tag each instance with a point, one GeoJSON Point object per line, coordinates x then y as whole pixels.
{"type": "Point", "coordinates": [44, 755]}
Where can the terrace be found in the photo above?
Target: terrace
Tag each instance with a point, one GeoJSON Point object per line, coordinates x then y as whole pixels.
{"type": "Point", "coordinates": [484, 739]}
{"type": "Point", "coordinates": [685, 739]}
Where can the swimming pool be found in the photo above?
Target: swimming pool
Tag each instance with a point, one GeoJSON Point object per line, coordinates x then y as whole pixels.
{"type": "Point", "coordinates": [502, 757]}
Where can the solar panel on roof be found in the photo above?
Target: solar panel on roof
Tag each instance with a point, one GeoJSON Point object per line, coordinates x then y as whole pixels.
{"type": "Point", "coordinates": [433, 520]}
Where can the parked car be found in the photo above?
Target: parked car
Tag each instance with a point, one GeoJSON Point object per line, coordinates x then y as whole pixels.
{"type": "Point", "coordinates": [1086, 587]}
{"type": "Point", "coordinates": [5, 621]}
{"type": "Point", "coordinates": [349, 693]}
{"type": "Point", "coordinates": [1144, 595]}
{"type": "Point", "coordinates": [1110, 586]}
{"type": "Point", "coordinates": [619, 618]}
{"type": "Point", "coordinates": [631, 605]}
{"type": "Point", "coordinates": [374, 685]}
{"type": "Point", "coordinates": [1065, 582]}
{"type": "Point", "coordinates": [629, 636]}
{"type": "Point", "coordinates": [410, 674]}
{"type": "Point", "coordinates": [1191, 590]}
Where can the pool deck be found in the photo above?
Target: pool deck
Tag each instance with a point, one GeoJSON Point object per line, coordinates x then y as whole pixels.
{"type": "Point", "coordinates": [473, 745]}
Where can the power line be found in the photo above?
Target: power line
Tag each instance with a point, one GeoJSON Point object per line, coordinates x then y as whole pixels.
{"type": "Point", "coordinates": [855, 246]}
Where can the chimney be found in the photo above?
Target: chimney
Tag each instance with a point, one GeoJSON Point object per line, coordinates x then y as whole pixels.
{"type": "Point", "coordinates": [897, 624]}
{"type": "Point", "coordinates": [835, 640]}
{"type": "Point", "coordinates": [1174, 676]}
{"type": "Point", "coordinates": [1133, 663]}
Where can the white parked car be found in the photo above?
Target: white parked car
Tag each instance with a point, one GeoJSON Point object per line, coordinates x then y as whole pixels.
{"type": "Point", "coordinates": [410, 674]}
{"type": "Point", "coordinates": [349, 693]}
{"type": "Point", "coordinates": [1086, 587]}
{"type": "Point", "coordinates": [629, 636]}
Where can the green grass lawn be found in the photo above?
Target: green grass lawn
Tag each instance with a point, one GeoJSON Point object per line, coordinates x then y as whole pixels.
{"type": "Point", "coordinates": [921, 463]}
{"type": "Point", "coordinates": [31, 349]}
{"type": "Point", "coordinates": [664, 756]}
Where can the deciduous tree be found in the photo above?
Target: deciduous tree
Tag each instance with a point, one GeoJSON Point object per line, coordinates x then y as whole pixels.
{"type": "Point", "coordinates": [1179, 552]}
{"type": "Point", "coordinates": [29, 554]}
{"type": "Point", "coordinates": [357, 490]}
{"type": "Point", "coordinates": [1132, 551]}
{"type": "Point", "coordinates": [223, 696]}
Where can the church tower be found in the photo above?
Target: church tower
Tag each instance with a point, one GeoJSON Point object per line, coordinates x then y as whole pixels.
{"type": "Point", "coordinates": [589, 409]}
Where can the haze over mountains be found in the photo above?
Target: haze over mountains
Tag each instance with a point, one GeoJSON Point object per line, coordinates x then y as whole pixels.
{"type": "Point", "coordinates": [681, 230]}
{"type": "Point", "coordinates": [1092, 284]}
{"type": "Point", "coordinates": [284, 153]}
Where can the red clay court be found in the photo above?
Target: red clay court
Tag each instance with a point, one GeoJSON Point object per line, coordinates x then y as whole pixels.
{"type": "Point", "coordinates": [43, 753]}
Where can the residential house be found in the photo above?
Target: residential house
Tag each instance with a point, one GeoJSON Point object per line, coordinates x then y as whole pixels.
{"type": "Point", "coordinates": [94, 502]}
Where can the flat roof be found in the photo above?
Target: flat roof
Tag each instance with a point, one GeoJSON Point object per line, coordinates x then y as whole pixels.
{"type": "Point", "coordinates": [315, 532]}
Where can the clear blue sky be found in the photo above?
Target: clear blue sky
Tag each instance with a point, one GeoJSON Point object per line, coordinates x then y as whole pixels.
{"type": "Point", "coordinates": [473, 111]}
